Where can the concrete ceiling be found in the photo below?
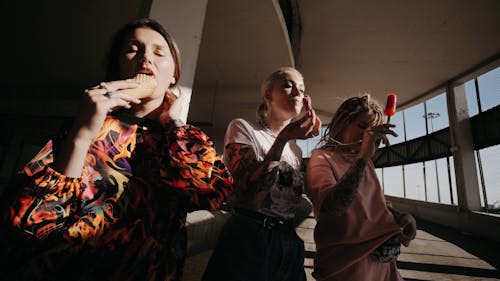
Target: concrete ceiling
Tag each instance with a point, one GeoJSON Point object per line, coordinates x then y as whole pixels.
{"type": "Point", "coordinates": [405, 47]}
{"type": "Point", "coordinates": [346, 47]}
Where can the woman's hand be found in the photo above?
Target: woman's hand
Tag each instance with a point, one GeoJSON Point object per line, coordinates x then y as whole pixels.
{"type": "Point", "coordinates": [372, 138]}
{"type": "Point", "coordinates": [409, 229]}
{"type": "Point", "coordinates": [171, 107]}
{"type": "Point", "coordinates": [97, 103]}
{"type": "Point", "coordinates": [306, 127]}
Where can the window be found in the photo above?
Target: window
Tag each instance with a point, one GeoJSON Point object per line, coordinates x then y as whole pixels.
{"type": "Point", "coordinates": [414, 181]}
{"type": "Point", "coordinates": [393, 181]}
{"type": "Point", "coordinates": [432, 181]}
{"type": "Point", "coordinates": [309, 145]}
{"type": "Point", "coordinates": [397, 120]}
{"type": "Point", "coordinates": [380, 176]}
{"type": "Point", "coordinates": [490, 165]}
{"type": "Point", "coordinates": [453, 180]}
{"type": "Point", "coordinates": [489, 89]}
{"type": "Point", "coordinates": [415, 122]}
{"type": "Point", "coordinates": [472, 105]}
{"type": "Point", "coordinates": [447, 190]}
{"type": "Point", "coordinates": [437, 113]}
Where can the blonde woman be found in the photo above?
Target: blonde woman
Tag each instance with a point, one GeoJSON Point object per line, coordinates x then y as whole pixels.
{"type": "Point", "coordinates": [259, 241]}
{"type": "Point", "coordinates": [357, 235]}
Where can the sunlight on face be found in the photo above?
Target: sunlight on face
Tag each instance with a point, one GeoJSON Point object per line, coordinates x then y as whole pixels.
{"type": "Point", "coordinates": [146, 51]}
{"type": "Point", "coordinates": [286, 95]}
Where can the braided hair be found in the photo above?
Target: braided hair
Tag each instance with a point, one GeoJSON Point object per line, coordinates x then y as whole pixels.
{"type": "Point", "coordinates": [348, 111]}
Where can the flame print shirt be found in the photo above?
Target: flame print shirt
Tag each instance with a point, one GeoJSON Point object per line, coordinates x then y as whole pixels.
{"type": "Point", "coordinates": [124, 218]}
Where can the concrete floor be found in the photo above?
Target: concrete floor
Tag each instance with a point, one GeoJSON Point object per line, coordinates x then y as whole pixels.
{"type": "Point", "coordinates": [438, 253]}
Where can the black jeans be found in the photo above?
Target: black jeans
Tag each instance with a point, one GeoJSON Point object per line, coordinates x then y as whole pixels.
{"type": "Point", "coordinates": [250, 250]}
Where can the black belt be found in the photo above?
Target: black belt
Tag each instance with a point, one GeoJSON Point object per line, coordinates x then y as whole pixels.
{"type": "Point", "coordinates": [266, 221]}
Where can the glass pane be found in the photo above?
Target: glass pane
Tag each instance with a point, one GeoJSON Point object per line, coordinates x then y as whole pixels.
{"type": "Point", "coordinates": [431, 181]}
{"type": "Point", "coordinates": [304, 147]}
{"type": "Point", "coordinates": [397, 120]}
{"type": "Point", "coordinates": [437, 113]}
{"type": "Point", "coordinates": [453, 181]}
{"type": "Point", "coordinates": [489, 89]}
{"type": "Point", "coordinates": [478, 172]}
{"type": "Point", "coordinates": [491, 166]}
{"type": "Point", "coordinates": [393, 181]}
{"type": "Point", "coordinates": [414, 181]}
{"type": "Point", "coordinates": [309, 145]}
{"type": "Point", "coordinates": [379, 176]}
{"type": "Point", "coordinates": [415, 121]}
{"type": "Point", "coordinates": [444, 181]}
{"type": "Point", "coordinates": [470, 91]}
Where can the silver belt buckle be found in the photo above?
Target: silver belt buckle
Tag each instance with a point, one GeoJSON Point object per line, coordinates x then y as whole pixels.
{"type": "Point", "coordinates": [267, 223]}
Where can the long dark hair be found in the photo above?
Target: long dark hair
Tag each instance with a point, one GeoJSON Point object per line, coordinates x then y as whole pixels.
{"type": "Point", "coordinates": [113, 56]}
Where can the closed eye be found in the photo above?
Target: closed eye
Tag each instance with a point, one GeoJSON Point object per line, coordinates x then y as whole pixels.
{"type": "Point", "coordinates": [132, 48]}
{"type": "Point", "coordinates": [160, 52]}
{"type": "Point", "coordinates": [288, 84]}
{"type": "Point", "coordinates": [363, 126]}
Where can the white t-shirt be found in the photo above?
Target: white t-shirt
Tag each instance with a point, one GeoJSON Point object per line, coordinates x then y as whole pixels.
{"type": "Point", "coordinates": [285, 194]}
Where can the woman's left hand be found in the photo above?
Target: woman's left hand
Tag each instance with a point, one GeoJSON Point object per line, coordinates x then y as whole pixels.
{"type": "Point", "coordinates": [314, 119]}
{"type": "Point", "coordinates": [409, 229]}
{"type": "Point", "coordinates": [171, 108]}
{"type": "Point", "coordinates": [372, 138]}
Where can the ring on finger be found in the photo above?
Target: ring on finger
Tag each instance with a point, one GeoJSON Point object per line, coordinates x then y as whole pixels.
{"type": "Point", "coordinates": [109, 94]}
{"type": "Point", "coordinates": [104, 86]}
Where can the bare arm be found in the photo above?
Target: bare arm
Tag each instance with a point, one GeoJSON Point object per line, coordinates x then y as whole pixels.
{"type": "Point", "coordinates": [339, 195]}
{"type": "Point", "coordinates": [252, 176]}
{"type": "Point", "coordinates": [93, 110]}
{"type": "Point", "coordinates": [339, 198]}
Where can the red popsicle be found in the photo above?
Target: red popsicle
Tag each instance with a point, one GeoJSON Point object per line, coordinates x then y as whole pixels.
{"type": "Point", "coordinates": [307, 103]}
{"type": "Point", "coordinates": [390, 106]}
{"type": "Point", "coordinates": [306, 107]}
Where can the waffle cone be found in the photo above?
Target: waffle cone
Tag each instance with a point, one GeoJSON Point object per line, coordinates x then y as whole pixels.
{"type": "Point", "coordinates": [147, 86]}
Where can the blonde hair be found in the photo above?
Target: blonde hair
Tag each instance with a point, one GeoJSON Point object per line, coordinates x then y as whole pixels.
{"type": "Point", "coordinates": [348, 111]}
{"type": "Point", "coordinates": [267, 85]}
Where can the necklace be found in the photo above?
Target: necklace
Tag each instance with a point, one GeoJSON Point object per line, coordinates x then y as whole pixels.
{"type": "Point", "coordinates": [267, 129]}
{"type": "Point", "coordinates": [346, 144]}
{"type": "Point", "coordinates": [345, 148]}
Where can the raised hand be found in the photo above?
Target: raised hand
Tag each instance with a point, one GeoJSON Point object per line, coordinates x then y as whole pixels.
{"type": "Point", "coordinates": [171, 107]}
{"type": "Point", "coordinates": [303, 128]}
{"type": "Point", "coordinates": [372, 137]}
{"type": "Point", "coordinates": [409, 225]}
{"type": "Point", "coordinates": [97, 103]}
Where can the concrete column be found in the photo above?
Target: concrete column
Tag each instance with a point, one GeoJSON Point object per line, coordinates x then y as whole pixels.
{"type": "Point", "coordinates": [184, 20]}
{"type": "Point", "coordinates": [462, 149]}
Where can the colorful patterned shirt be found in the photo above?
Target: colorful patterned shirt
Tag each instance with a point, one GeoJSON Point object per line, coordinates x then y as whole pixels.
{"type": "Point", "coordinates": [124, 218]}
